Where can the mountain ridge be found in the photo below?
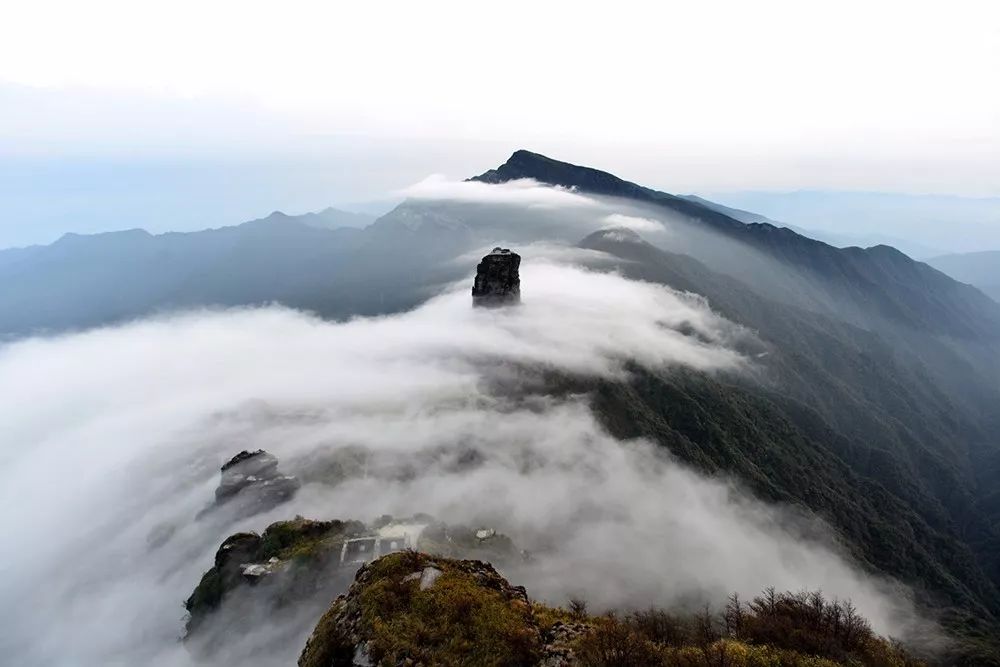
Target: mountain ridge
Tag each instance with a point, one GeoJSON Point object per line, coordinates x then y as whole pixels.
{"type": "Point", "coordinates": [979, 269]}
{"type": "Point", "coordinates": [872, 402]}
{"type": "Point", "coordinates": [858, 270]}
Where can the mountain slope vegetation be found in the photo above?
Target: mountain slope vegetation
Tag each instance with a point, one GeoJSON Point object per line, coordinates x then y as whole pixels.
{"type": "Point", "coordinates": [841, 423]}
{"type": "Point", "coordinates": [876, 407]}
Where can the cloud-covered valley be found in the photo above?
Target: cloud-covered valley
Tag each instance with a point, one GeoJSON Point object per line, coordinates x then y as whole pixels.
{"type": "Point", "coordinates": [113, 433]}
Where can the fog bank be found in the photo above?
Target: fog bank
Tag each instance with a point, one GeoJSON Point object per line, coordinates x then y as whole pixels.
{"type": "Point", "coordinates": [112, 433]}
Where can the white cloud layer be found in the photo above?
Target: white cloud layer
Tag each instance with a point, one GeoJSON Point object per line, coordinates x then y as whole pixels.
{"type": "Point", "coordinates": [522, 192]}
{"type": "Point", "coordinates": [635, 223]}
{"type": "Point", "coordinates": [113, 432]}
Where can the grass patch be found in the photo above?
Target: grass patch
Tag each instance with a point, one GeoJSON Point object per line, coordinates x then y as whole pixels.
{"type": "Point", "coordinates": [465, 618]}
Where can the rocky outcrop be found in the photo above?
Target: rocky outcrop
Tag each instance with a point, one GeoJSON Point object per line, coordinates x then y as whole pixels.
{"type": "Point", "coordinates": [498, 282]}
{"type": "Point", "coordinates": [224, 576]}
{"type": "Point", "coordinates": [412, 608]}
{"type": "Point", "coordinates": [252, 483]}
{"type": "Point", "coordinates": [293, 558]}
{"type": "Point", "coordinates": [305, 562]}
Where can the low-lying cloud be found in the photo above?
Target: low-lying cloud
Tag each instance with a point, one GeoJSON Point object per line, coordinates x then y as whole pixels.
{"type": "Point", "coordinates": [522, 192]}
{"type": "Point", "coordinates": [115, 432]}
{"type": "Point", "coordinates": [635, 223]}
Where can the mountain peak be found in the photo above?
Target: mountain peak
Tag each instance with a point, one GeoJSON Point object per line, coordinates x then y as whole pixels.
{"type": "Point", "coordinates": [523, 154]}
{"type": "Point", "coordinates": [525, 164]}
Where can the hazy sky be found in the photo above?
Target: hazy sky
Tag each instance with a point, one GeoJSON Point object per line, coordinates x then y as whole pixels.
{"type": "Point", "coordinates": [365, 98]}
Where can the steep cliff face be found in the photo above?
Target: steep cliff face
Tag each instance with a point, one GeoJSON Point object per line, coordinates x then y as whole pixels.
{"type": "Point", "coordinates": [498, 282]}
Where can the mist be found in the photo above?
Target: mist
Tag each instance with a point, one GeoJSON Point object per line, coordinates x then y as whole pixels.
{"type": "Point", "coordinates": [521, 192]}
{"type": "Point", "coordinates": [113, 433]}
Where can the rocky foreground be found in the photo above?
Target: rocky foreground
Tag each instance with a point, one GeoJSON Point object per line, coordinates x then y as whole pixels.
{"type": "Point", "coordinates": [412, 608]}
{"type": "Point", "coordinates": [397, 605]}
{"type": "Point", "coordinates": [419, 591]}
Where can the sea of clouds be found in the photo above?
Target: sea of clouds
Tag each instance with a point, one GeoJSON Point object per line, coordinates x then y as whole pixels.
{"type": "Point", "coordinates": [112, 434]}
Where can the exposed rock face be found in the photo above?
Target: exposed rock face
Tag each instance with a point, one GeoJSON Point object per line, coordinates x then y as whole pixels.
{"type": "Point", "coordinates": [224, 576]}
{"type": "Point", "coordinates": [294, 560]}
{"type": "Point", "coordinates": [251, 481]}
{"type": "Point", "coordinates": [497, 280]}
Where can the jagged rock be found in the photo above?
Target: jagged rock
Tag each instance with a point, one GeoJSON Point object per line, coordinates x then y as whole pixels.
{"type": "Point", "coordinates": [296, 558]}
{"type": "Point", "coordinates": [225, 575]}
{"type": "Point", "coordinates": [243, 470]}
{"type": "Point", "coordinates": [252, 480]}
{"type": "Point", "coordinates": [498, 282]}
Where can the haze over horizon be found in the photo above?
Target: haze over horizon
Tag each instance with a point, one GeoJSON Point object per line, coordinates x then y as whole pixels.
{"type": "Point", "coordinates": [183, 117]}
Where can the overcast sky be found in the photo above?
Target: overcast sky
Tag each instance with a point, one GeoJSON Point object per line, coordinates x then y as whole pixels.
{"type": "Point", "coordinates": [707, 96]}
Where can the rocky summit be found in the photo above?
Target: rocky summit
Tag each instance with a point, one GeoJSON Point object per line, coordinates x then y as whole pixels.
{"type": "Point", "coordinates": [498, 282]}
{"type": "Point", "coordinates": [412, 608]}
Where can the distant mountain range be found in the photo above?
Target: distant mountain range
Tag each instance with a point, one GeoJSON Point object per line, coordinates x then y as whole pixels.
{"type": "Point", "coordinates": [873, 404]}
{"type": "Point", "coordinates": [981, 269]}
{"type": "Point", "coordinates": [839, 240]}
{"type": "Point", "coordinates": [930, 225]}
{"type": "Point", "coordinates": [314, 261]}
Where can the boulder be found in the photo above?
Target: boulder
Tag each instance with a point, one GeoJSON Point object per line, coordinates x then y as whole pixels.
{"type": "Point", "coordinates": [253, 481]}
{"type": "Point", "coordinates": [498, 282]}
